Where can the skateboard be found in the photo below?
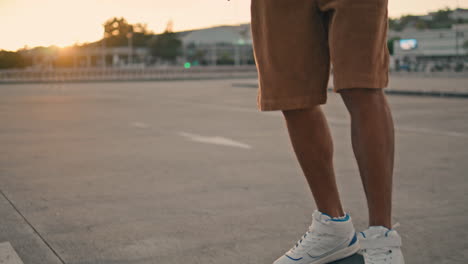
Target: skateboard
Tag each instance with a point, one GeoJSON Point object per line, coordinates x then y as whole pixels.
{"type": "Point", "coordinates": [354, 259]}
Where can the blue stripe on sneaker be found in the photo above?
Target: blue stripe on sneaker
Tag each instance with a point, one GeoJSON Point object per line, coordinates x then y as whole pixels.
{"type": "Point", "coordinates": [353, 240]}
{"type": "Point", "coordinates": [386, 233]}
{"type": "Point", "coordinates": [293, 258]}
{"type": "Point", "coordinates": [344, 219]}
{"type": "Point", "coordinates": [364, 235]}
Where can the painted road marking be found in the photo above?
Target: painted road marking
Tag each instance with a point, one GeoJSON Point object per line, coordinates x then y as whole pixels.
{"type": "Point", "coordinates": [417, 130]}
{"type": "Point", "coordinates": [140, 125]}
{"type": "Point", "coordinates": [431, 132]}
{"type": "Point", "coordinates": [340, 121]}
{"type": "Point", "coordinates": [214, 140]}
{"type": "Point", "coordinates": [8, 254]}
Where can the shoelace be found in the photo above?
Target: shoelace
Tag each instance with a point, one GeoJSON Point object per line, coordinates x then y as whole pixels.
{"type": "Point", "coordinates": [299, 242]}
{"type": "Point", "coordinates": [318, 238]}
{"type": "Point", "coordinates": [376, 256]}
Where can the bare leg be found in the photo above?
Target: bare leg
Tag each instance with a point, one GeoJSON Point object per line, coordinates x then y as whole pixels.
{"type": "Point", "coordinates": [372, 135]}
{"type": "Point", "coordinates": [312, 143]}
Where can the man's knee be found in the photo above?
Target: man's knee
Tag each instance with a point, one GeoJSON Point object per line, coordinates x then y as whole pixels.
{"type": "Point", "coordinates": [300, 113]}
{"type": "Point", "coordinates": [359, 98]}
{"type": "Point", "coordinates": [362, 93]}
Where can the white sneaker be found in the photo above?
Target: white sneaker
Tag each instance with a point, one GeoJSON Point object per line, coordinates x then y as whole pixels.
{"type": "Point", "coordinates": [380, 245]}
{"type": "Point", "coordinates": [327, 240]}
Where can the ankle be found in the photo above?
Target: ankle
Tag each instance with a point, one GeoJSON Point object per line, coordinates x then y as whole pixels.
{"type": "Point", "coordinates": [386, 224]}
{"type": "Point", "coordinates": [333, 213]}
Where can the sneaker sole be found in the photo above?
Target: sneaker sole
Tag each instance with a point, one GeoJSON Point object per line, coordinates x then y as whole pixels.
{"type": "Point", "coordinates": [341, 254]}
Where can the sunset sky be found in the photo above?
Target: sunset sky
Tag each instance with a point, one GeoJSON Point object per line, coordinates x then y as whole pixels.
{"type": "Point", "coordinates": [65, 22]}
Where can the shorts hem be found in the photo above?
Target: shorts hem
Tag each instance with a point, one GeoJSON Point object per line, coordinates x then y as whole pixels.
{"type": "Point", "coordinates": [290, 103]}
{"type": "Point", "coordinates": [365, 83]}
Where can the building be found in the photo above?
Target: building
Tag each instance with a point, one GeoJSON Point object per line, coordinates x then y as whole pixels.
{"type": "Point", "coordinates": [232, 45]}
{"type": "Point", "coordinates": [422, 47]}
{"type": "Point", "coordinates": [459, 14]}
{"type": "Point", "coordinates": [86, 57]}
{"type": "Point", "coordinates": [209, 46]}
{"type": "Point", "coordinates": [432, 43]}
{"type": "Point", "coordinates": [218, 45]}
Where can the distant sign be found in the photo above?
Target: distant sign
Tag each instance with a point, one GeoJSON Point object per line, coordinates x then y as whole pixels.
{"type": "Point", "coordinates": [408, 44]}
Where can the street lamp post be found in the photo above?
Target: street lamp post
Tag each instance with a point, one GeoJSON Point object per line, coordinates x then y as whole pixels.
{"type": "Point", "coordinates": [130, 47]}
{"type": "Point", "coordinates": [456, 33]}
{"type": "Point", "coordinates": [103, 49]}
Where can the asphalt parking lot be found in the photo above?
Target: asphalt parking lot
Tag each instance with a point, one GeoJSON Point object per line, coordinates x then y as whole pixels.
{"type": "Point", "coordinates": [188, 172]}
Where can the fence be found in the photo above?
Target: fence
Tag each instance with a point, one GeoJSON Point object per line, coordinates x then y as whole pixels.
{"type": "Point", "coordinates": [126, 74]}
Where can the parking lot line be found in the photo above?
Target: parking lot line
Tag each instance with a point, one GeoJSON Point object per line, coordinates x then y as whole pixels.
{"type": "Point", "coordinates": [8, 254]}
{"type": "Point", "coordinates": [214, 140]}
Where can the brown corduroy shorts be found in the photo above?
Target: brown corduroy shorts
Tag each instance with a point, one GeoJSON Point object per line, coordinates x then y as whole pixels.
{"type": "Point", "coordinates": [295, 41]}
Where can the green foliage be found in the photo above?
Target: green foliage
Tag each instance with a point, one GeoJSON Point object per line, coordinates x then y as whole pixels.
{"type": "Point", "coordinates": [141, 35]}
{"type": "Point", "coordinates": [195, 55]}
{"type": "Point", "coordinates": [465, 46]}
{"type": "Point", "coordinates": [166, 46]}
{"type": "Point", "coordinates": [10, 59]}
{"type": "Point", "coordinates": [390, 44]}
{"type": "Point", "coordinates": [225, 59]}
{"type": "Point", "coordinates": [64, 62]}
{"type": "Point", "coordinates": [117, 33]}
{"type": "Point", "coordinates": [442, 19]}
{"type": "Point", "coordinates": [439, 20]}
{"type": "Point", "coordinates": [402, 22]}
{"type": "Point", "coordinates": [421, 24]}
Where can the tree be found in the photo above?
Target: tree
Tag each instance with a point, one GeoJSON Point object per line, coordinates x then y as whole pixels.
{"type": "Point", "coordinates": [195, 55]}
{"type": "Point", "coordinates": [166, 46]}
{"type": "Point", "coordinates": [437, 20]}
{"type": "Point", "coordinates": [403, 22]}
{"type": "Point", "coordinates": [118, 27]}
{"type": "Point", "coordinates": [141, 28]}
{"type": "Point", "coordinates": [10, 59]}
{"type": "Point", "coordinates": [390, 44]}
{"type": "Point", "coordinates": [441, 19]}
{"type": "Point", "coordinates": [117, 31]}
{"type": "Point", "coordinates": [141, 35]}
{"type": "Point", "coordinates": [465, 46]}
{"type": "Point", "coordinates": [421, 24]}
{"type": "Point", "coordinates": [225, 58]}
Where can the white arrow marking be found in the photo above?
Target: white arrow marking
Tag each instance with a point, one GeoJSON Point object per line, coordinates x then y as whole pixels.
{"type": "Point", "coordinates": [215, 140]}
{"type": "Point", "coordinates": [140, 125]}
{"type": "Point", "coordinates": [8, 254]}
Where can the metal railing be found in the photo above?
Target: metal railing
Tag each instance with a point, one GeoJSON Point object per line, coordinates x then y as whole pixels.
{"type": "Point", "coordinates": [126, 74]}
